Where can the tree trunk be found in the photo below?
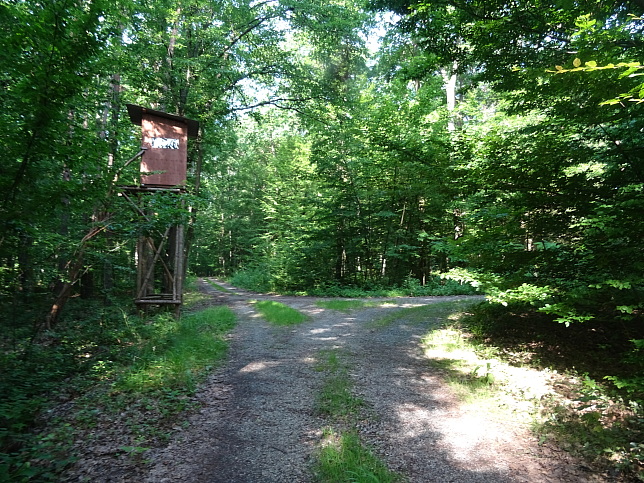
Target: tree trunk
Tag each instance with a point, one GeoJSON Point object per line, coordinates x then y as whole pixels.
{"type": "Point", "coordinates": [449, 77]}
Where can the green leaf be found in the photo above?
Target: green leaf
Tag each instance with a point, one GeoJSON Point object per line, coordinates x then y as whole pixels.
{"type": "Point", "coordinates": [584, 22]}
{"type": "Point", "coordinates": [627, 309]}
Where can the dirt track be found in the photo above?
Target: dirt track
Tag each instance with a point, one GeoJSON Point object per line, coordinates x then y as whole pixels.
{"type": "Point", "coordinates": [258, 422]}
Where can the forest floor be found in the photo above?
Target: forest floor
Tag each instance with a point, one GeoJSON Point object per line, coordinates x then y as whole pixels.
{"type": "Point", "coordinates": [257, 420]}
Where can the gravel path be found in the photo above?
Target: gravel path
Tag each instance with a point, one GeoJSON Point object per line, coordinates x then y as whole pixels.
{"type": "Point", "coordinates": [258, 423]}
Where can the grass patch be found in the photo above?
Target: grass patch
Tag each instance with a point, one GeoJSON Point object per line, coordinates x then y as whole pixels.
{"type": "Point", "coordinates": [343, 458]}
{"type": "Point", "coordinates": [279, 314]}
{"type": "Point", "coordinates": [470, 374]}
{"type": "Point", "coordinates": [341, 305]}
{"type": "Point", "coordinates": [328, 361]}
{"type": "Point", "coordinates": [180, 351]}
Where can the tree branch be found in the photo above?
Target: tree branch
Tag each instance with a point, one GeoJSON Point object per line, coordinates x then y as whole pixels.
{"type": "Point", "coordinates": [275, 102]}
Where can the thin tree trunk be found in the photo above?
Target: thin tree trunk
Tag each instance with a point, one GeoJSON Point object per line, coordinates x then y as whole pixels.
{"type": "Point", "coordinates": [190, 232]}
{"type": "Point", "coordinates": [449, 77]}
{"type": "Point", "coordinates": [114, 107]}
{"type": "Point", "coordinates": [74, 269]}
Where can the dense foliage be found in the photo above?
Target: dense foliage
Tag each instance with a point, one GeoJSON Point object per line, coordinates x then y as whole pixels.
{"type": "Point", "coordinates": [496, 145]}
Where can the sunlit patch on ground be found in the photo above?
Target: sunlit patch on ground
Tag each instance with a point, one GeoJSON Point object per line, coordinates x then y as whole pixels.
{"type": "Point", "coordinates": [258, 366]}
{"type": "Point", "coordinates": [479, 378]}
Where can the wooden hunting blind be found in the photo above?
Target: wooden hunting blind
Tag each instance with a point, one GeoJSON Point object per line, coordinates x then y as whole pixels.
{"type": "Point", "coordinates": [160, 252]}
{"type": "Point", "coordinates": [165, 138]}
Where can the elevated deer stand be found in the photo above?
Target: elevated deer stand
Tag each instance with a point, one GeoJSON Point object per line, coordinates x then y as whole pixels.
{"type": "Point", "coordinates": [160, 253]}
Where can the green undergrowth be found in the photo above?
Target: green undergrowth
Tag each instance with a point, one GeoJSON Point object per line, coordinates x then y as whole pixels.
{"type": "Point", "coordinates": [101, 364]}
{"type": "Point", "coordinates": [410, 288]}
{"type": "Point", "coordinates": [279, 314]}
{"type": "Point", "coordinates": [605, 430]}
{"type": "Point", "coordinates": [259, 280]}
{"type": "Point", "coordinates": [155, 387]}
{"type": "Point", "coordinates": [175, 353]}
{"type": "Point", "coordinates": [342, 456]}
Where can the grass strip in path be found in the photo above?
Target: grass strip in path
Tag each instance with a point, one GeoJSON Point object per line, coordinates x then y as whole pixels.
{"type": "Point", "coordinates": [342, 457]}
{"type": "Point", "coordinates": [424, 314]}
{"type": "Point", "coordinates": [217, 286]}
{"type": "Point", "coordinates": [348, 305]}
{"type": "Point", "coordinates": [336, 400]}
{"type": "Point", "coordinates": [279, 314]}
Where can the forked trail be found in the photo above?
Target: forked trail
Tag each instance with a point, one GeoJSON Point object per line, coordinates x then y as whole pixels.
{"type": "Point", "coordinates": [258, 422]}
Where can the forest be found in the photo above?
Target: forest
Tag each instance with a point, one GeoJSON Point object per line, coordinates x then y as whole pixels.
{"type": "Point", "coordinates": [345, 148]}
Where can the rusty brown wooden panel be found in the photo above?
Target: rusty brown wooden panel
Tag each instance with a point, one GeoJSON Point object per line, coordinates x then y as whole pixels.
{"type": "Point", "coordinates": [166, 141]}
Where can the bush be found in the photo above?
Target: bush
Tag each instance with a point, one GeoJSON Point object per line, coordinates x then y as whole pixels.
{"type": "Point", "coordinates": [257, 279]}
